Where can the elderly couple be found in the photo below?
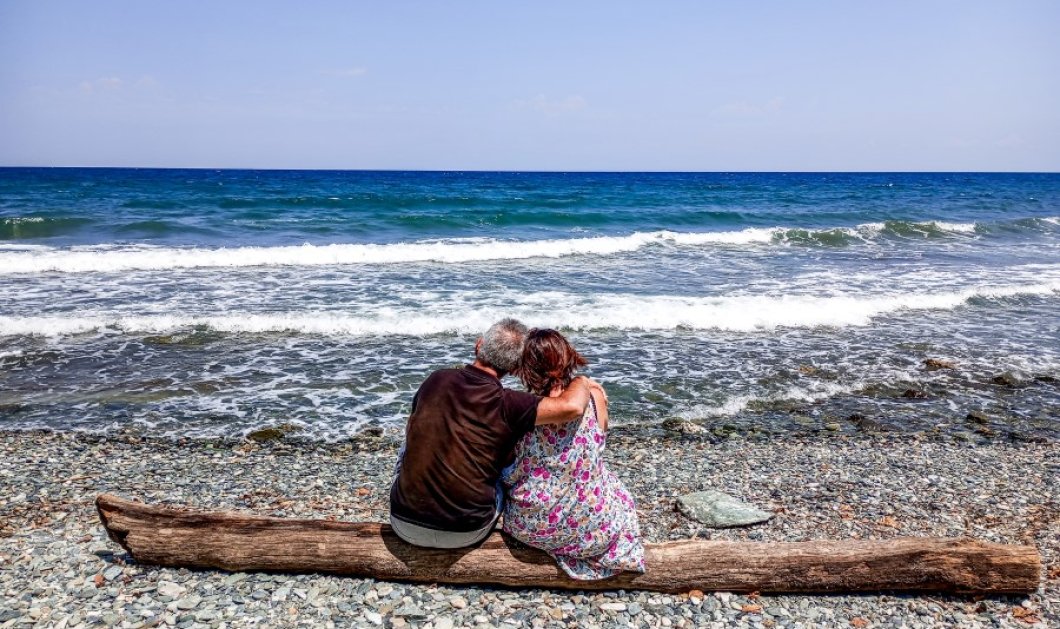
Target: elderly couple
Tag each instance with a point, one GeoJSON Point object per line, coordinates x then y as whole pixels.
{"type": "Point", "coordinates": [474, 450]}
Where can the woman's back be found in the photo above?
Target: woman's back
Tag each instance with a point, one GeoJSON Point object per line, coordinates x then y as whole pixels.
{"type": "Point", "coordinates": [563, 499]}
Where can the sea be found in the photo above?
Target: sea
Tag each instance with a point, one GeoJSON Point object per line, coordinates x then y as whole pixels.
{"type": "Point", "coordinates": [211, 303]}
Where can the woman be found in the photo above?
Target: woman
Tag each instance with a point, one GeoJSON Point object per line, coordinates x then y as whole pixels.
{"type": "Point", "coordinates": [561, 497]}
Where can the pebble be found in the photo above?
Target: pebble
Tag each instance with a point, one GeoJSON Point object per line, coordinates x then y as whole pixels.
{"type": "Point", "coordinates": [168, 588]}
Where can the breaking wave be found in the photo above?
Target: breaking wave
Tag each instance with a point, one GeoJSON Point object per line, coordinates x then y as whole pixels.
{"type": "Point", "coordinates": [113, 258]}
{"type": "Point", "coordinates": [563, 310]}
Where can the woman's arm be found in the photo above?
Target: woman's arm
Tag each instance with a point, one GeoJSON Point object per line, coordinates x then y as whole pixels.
{"type": "Point", "coordinates": [600, 397]}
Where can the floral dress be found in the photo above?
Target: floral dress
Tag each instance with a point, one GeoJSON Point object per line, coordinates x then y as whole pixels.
{"type": "Point", "coordinates": [562, 499]}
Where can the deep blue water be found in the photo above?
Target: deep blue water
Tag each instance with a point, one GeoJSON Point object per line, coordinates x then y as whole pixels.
{"type": "Point", "coordinates": [204, 207]}
{"type": "Point", "coordinates": [210, 302]}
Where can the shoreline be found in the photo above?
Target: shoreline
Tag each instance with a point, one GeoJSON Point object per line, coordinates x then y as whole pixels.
{"type": "Point", "coordinates": [61, 570]}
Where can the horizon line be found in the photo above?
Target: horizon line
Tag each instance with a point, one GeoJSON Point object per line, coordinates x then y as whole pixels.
{"type": "Point", "coordinates": [543, 171]}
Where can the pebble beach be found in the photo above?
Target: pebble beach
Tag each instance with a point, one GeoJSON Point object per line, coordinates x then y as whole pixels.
{"type": "Point", "coordinates": [59, 569]}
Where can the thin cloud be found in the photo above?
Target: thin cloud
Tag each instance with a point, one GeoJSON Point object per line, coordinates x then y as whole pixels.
{"type": "Point", "coordinates": [102, 84]}
{"type": "Point", "coordinates": [346, 73]}
{"type": "Point", "coordinates": [553, 107]}
{"type": "Point", "coordinates": [1011, 141]}
{"type": "Point", "coordinates": [744, 108]}
{"type": "Point", "coordinates": [114, 83]}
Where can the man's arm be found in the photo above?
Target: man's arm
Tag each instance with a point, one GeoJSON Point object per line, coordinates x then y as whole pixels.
{"type": "Point", "coordinates": [570, 405]}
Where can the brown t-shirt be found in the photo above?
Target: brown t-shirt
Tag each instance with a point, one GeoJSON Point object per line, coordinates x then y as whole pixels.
{"type": "Point", "coordinates": [461, 433]}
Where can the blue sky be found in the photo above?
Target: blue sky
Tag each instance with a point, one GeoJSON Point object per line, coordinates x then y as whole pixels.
{"type": "Point", "coordinates": [712, 86]}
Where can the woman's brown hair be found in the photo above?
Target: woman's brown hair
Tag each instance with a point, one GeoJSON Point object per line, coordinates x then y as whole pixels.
{"type": "Point", "coordinates": [548, 359]}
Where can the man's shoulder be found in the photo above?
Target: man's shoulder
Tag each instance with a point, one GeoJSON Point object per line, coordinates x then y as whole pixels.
{"type": "Point", "coordinates": [442, 377]}
{"type": "Point", "coordinates": [520, 397]}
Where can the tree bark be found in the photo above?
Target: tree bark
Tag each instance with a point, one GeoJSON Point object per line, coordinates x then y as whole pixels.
{"type": "Point", "coordinates": [232, 541]}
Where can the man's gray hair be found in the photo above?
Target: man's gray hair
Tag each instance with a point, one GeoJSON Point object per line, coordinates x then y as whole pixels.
{"type": "Point", "coordinates": [502, 345]}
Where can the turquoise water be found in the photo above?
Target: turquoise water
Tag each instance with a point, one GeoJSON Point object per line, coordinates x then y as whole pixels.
{"type": "Point", "coordinates": [195, 302]}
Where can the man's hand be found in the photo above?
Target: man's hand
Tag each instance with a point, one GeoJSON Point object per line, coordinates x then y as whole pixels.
{"type": "Point", "coordinates": [596, 387]}
{"type": "Point", "coordinates": [570, 405]}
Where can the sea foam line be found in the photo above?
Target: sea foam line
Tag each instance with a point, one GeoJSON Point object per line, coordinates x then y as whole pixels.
{"type": "Point", "coordinates": [735, 405]}
{"type": "Point", "coordinates": [110, 258]}
{"type": "Point", "coordinates": [561, 310]}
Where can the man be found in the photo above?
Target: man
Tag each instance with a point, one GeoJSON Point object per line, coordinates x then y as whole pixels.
{"type": "Point", "coordinates": [461, 433]}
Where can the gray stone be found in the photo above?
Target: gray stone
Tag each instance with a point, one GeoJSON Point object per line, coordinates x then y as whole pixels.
{"type": "Point", "coordinates": [1007, 379]}
{"type": "Point", "coordinates": [112, 573]}
{"type": "Point", "coordinates": [410, 611]}
{"type": "Point", "coordinates": [206, 615]}
{"type": "Point", "coordinates": [170, 589]}
{"type": "Point", "coordinates": [720, 510]}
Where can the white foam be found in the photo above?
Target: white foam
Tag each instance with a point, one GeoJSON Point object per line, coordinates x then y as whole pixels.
{"type": "Point", "coordinates": [116, 258]}
{"type": "Point", "coordinates": [959, 228]}
{"type": "Point", "coordinates": [22, 247]}
{"type": "Point", "coordinates": [736, 405]}
{"type": "Point", "coordinates": [751, 235]}
{"type": "Point", "coordinates": [111, 258]}
{"type": "Point", "coordinates": [874, 229]}
{"type": "Point", "coordinates": [746, 313]}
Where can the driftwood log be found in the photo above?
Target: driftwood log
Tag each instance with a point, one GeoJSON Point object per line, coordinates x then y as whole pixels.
{"type": "Point", "coordinates": [236, 542]}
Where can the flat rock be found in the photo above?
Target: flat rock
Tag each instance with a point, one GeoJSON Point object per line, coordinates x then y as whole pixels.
{"type": "Point", "coordinates": [719, 510]}
{"type": "Point", "coordinates": [934, 364]}
{"type": "Point", "coordinates": [272, 433]}
{"type": "Point", "coordinates": [189, 602]}
{"type": "Point", "coordinates": [1007, 379]}
{"type": "Point", "coordinates": [168, 588]}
